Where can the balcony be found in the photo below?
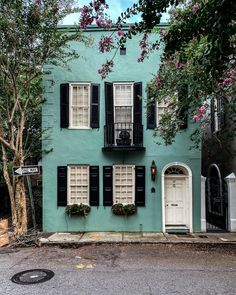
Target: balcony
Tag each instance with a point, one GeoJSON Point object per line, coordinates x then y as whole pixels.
{"type": "Point", "coordinates": [123, 136]}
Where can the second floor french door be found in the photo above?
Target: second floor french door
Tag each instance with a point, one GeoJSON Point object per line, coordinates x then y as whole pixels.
{"type": "Point", "coordinates": [123, 113]}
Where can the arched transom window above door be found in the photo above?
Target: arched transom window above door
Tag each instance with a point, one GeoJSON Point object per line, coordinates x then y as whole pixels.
{"type": "Point", "coordinates": [175, 170]}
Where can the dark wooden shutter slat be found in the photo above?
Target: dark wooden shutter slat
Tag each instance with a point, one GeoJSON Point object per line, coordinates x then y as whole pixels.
{"type": "Point", "coordinates": [213, 127]}
{"type": "Point", "coordinates": [138, 103]}
{"type": "Point", "coordinates": [138, 132]}
{"type": "Point", "coordinates": [107, 186]}
{"type": "Point", "coordinates": [140, 185]}
{"type": "Point", "coordinates": [94, 185]}
{"type": "Point", "coordinates": [109, 103]}
{"type": "Point", "coordinates": [109, 107]}
{"type": "Point", "coordinates": [64, 105]}
{"type": "Point", "coordinates": [151, 111]}
{"type": "Point", "coordinates": [94, 106]}
{"type": "Point", "coordinates": [61, 185]}
{"type": "Point", "coordinates": [183, 111]}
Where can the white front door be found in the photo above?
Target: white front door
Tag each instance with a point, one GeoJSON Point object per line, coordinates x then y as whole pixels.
{"type": "Point", "coordinates": [175, 200]}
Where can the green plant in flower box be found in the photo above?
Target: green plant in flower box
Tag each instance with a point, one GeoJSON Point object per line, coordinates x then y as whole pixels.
{"type": "Point", "coordinates": [77, 210]}
{"type": "Point", "coordinates": [124, 209]}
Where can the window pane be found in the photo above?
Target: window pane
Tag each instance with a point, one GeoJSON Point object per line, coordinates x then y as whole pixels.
{"type": "Point", "coordinates": [124, 184]}
{"type": "Point", "coordinates": [78, 186]}
{"type": "Point", "coordinates": [80, 106]}
{"type": "Point", "coordinates": [123, 114]}
{"type": "Point", "coordinates": [123, 95]}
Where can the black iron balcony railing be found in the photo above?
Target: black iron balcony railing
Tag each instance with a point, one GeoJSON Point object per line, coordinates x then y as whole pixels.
{"type": "Point", "coordinates": [123, 136]}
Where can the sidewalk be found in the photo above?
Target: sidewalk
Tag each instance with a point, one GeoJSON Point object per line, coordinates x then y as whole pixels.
{"type": "Point", "coordinates": [70, 239]}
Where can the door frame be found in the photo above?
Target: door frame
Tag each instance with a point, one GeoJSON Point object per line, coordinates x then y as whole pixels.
{"type": "Point", "coordinates": [189, 194]}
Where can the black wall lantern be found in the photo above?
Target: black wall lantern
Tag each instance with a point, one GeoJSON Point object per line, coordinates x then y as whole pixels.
{"type": "Point", "coordinates": [153, 170]}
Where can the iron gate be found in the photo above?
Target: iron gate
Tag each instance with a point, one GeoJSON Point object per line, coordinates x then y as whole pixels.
{"type": "Point", "coordinates": [216, 200]}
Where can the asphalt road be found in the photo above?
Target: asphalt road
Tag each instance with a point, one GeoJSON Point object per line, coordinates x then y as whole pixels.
{"type": "Point", "coordinates": [124, 269]}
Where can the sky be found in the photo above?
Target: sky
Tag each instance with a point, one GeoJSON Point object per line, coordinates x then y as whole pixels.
{"type": "Point", "coordinates": [115, 9]}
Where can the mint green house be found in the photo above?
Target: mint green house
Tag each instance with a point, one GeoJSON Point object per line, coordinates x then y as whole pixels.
{"type": "Point", "coordinates": [103, 149]}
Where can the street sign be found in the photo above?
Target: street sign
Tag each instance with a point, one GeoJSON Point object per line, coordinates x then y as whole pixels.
{"type": "Point", "coordinates": [26, 170]}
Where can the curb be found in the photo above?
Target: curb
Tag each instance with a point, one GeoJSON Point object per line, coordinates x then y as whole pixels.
{"type": "Point", "coordinates": [87, 243]}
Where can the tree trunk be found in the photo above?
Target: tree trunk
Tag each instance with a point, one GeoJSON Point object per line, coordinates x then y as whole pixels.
{"type": "Point", "coordinates": [16, 189]}
{"type": "Point", "coordinates": [21, 210]}
{"type": "Point", "coordinates": [10, 187]}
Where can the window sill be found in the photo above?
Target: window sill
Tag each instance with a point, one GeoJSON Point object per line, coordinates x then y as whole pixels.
{"type": "Point", "coordinates": [80, 128]}
{"type": "Point", "coordinates": [70, 204]}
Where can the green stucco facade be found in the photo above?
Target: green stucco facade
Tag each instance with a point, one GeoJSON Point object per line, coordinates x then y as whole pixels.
{"type": "Point", "coordinates": [74, 146]}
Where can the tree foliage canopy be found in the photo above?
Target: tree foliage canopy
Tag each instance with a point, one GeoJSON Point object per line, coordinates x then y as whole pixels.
{"type": "Point", "coordinates": [199, 53]}
{"type": "Point", "coordinates": [30, 39]}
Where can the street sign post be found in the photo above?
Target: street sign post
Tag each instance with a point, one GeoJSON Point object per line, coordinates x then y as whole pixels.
{"type": "Point", "coordinates": [26, 170]}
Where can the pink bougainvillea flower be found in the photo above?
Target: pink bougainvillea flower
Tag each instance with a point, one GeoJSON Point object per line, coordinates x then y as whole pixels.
{"type": "Point", "coordinates": [196, 118]}
{"type": "Point", "coordinates": [202, 110]}
{"type": "Point", "coordinates": [38, 2]}
{"type": "Point", "coordinates": [99, 22]}
{"type": "Point", "coordinates": [179, 65]}
{"type": "Point", "coordinates": [106, 69]}
{"type": "Point", "coordinates": [120, 33]}
{"type": "Point", "coordinates": [105, 44]}
{"type": "Point", "coordinates": [227, 82]}
{"type": "Point", "coordinates": [195, 8]}
{"type": "Point", "coordinates": [95, 11]}
{"type": "Point", "coordinates": [158, 81]}
{"type": "Point", "coordinates": [231, 72]}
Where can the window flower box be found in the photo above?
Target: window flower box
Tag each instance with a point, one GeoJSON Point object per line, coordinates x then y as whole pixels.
{"type": "Point", "coordinates": [124, 210]}
{"type": "Point", "coordinates": [77, 210]}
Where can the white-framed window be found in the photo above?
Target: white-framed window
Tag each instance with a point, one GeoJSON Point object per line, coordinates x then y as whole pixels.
{"type": "Point", "coordinates": [160, 111]}
{"type": "Point", "coordinates": [78, 184]}
{"type": "Point", "coordinates": [123, 108]}
{"type": "Point", "coordinates": [79, 105]}
{"type": "Point", "coordinates": [123, 102]}
{"type": "Point", "coordinates": [123, 184]}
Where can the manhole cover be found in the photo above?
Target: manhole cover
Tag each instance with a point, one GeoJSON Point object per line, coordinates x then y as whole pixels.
{"type": "Point", "coordinates": [32, 276]}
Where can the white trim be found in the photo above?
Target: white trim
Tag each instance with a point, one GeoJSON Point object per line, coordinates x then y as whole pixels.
{"type": "Point", "coordinates": [231, 184]}
{"type": "Point", "coordinates": [70, 107]}
{"type": "Point", "coordinates": [189, 194]}
{"type": "Point", "coordinates": [68, 182]}
{"type": "Point", "coordinates": [203, 204]}
{"type": "Point", "coordinates": [133, 182]}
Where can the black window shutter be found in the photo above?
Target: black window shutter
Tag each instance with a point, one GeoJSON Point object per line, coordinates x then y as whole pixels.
{"type": "Point", "coordinates": [221, 110]}
{"type": "Point", "coordinates": [94, 106]}
{"type": "Point", "coordinates": [109, 106]}
{"type": "Point", "coordinates": [140, 185]}
{"type": "Point", "coordinates": [213, 127]}
{"type": "Point", "coordinates": [61, 185]}
{"type": "Point", "coordinates": [107, 186]}
{"type": "Point", "coordinates": [64, 105]}
{"type": "Point", "coordinates": [94, 185]}
{"type": "Point", "coordinates": [138, 103]}
{"type": "Point", "coordinates": [151, 111]}
{"type": "Point", "coordinates": [183, 111]}
{"type": "Point", "coordinates": [109, 103]}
